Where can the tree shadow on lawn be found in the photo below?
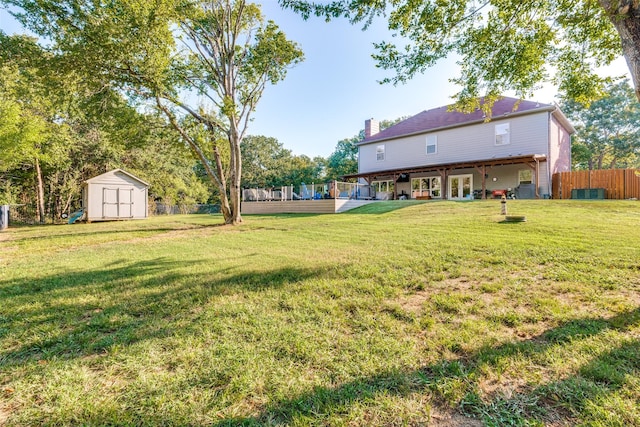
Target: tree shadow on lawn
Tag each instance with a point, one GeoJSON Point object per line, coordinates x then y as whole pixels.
{"type": "Point", "coordinates": [454, 383]}
{"type": "Point", "coordinates": [79, 314]}
{"type": "Point", "coordinates": [58, 232]}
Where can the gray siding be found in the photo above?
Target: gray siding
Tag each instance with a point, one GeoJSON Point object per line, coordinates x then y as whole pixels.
{"type": "Point", "coordinates": [528, 135]}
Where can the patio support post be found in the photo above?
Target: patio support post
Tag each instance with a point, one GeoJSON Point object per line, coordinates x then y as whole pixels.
{"type": "Point", "coordinates": [483, 172]}
{"type": "Point", "coordinates": [484, 183]}
{"type": "Point", "coordinates": [537, 178]}
{"type": "Point", "coordinates": [395, 187]}
{"type": "Point", "coordinates": [443, 183]}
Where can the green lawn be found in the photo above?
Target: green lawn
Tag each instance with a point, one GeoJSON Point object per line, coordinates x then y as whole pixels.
{"type": "Point", "coordinates": [398, 313]}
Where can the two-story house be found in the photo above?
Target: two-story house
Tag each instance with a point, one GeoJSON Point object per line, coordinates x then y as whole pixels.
{"type": "Point", "coordinates": [452, 155]}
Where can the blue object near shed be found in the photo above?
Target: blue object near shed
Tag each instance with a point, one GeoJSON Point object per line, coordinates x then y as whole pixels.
{"type": "Point", "coordinates": [4, 217]}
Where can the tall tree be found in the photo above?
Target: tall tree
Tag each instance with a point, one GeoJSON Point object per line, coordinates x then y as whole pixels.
{"type": "Point", "coordinates": [264, 160]}
{"type": "Point", "coordinates": [502, 45]}
{"type": "Point", "coordinates": [204, 64]}
{"type": "Point", "coordinates": [232, 54]}
{"type": "Point", "coordinates": [607, 131]}
{"type": "Point", "coordinates": [344, 159]}
{"type": "Point", "coordinates": [34, 136]}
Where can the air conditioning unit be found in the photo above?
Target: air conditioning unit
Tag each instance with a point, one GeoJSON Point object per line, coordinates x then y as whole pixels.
{"type": "Point", "coordinates": [587, 193]}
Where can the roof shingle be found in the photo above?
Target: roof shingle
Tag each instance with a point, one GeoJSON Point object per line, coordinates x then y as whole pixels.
{"type": "Point", "coordinates": [441, 117]}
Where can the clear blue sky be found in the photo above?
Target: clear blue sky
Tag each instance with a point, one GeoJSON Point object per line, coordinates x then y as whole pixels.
{"type": "Point", "coordinates": [328, 97]}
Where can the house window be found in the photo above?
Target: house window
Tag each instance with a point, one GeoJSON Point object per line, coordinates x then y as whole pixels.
{"type": "Point", "coordinates": [383, 186]}
{"type": "Point", "coordinates": [429, 186]}
{"type": "Point", "coordinates": [380, 153]}
{"type": "Point", "coordinates": [432, 144]}
{"type": "Point", "coordinates": [502, 134]}
{"type": "Point", "coordinates": [525, 176]}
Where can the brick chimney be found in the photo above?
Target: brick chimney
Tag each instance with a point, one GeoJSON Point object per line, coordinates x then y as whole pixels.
{"type": "Point", "coordinates": [371, 127]}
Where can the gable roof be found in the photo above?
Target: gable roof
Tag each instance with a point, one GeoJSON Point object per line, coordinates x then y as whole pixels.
{"type": "Point", "coordinates": [114, 172]}
{"type": "Point", "coordinates": [442, 118]}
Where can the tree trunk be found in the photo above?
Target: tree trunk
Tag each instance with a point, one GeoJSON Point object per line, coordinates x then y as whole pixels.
{"type": "Point", "coordinates": [39, 192]}
{"type": "Point", "coordinates": [235, 175]}
{"type": "Point", "coordinates": [625, 16]}
{"type": "Point", "coordinates": [613, 163]}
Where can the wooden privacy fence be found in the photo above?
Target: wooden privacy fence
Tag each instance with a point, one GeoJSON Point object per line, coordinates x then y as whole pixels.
{"type": "Point", "coordinates": [617, 183]}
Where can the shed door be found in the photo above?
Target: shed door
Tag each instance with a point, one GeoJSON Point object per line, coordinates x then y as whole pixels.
{"type": "Point", "coordinates": [117, 202]}
{"type": "Point", "coordinates": [109, 202]}
{"type": "Point", "coordinates": [125, 202]}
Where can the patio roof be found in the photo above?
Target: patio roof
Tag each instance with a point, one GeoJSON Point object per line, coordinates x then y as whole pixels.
{"type": "Point", "coordinates": [443, 169]}
{"type": "Point", "coordinates": [526, 159]}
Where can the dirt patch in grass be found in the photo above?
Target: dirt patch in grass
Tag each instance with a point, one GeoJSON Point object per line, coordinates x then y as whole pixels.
{"type": "Point", "coordinates": [414, 302]}
{"type": "Point", "coordinates": [444, 417]}
{"type": "Point", "coordinates": [4, 414]}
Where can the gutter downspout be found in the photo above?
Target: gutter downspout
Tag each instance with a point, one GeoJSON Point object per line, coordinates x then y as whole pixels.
{"type": "Point", "coordinates": [549, 165]}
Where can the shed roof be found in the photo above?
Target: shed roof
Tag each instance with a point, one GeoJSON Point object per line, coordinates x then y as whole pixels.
{"type": "Point", "coordinates": [113, 172]}
{"type": "Point", "coordinates": [442, 118]}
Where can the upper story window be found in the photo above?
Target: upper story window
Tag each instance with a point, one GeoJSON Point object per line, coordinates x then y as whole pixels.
{"type": "Point", "coordinates": [380, 153]}
{"type": "Point", "coordinates": [502, 134]}
{"type": "Point", "coordinates": [432, 144]}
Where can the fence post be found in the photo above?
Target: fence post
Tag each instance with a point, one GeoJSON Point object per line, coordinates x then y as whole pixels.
{"type": "Point", "coordinates": [4, 217]}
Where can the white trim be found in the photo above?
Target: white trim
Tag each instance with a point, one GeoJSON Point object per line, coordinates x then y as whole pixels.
{"type": "Point", "coordinates": [435, 144]}
{"type": "Point", "coordinates": [502, 134]}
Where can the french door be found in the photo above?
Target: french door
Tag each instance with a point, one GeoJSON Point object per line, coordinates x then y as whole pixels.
{"type": "Point", "coordinates": [460, 186]}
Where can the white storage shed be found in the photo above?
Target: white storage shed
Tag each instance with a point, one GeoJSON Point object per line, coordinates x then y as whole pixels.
{"type": "Point", "coordinates": [115, 195]}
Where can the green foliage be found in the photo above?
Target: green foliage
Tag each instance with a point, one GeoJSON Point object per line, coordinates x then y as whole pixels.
{"type": "Point", "coordinates": [263, 161]}
{"type": "Point", "coordinates": [344, 159]}
{"type": "Point", "coordinates": [75, 133]}
{"type": "Point", "coordinates": [266, 163]}
{"type": "Point", "coordinates": [503, 46]}
{"type": "Point", "coordinates": [206, 61]}
{"type": "Point", "coordinates": [607, 130]}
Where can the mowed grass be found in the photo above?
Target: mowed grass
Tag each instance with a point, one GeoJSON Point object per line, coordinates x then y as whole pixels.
{"type": "Point", "coordinates": [398, 313]}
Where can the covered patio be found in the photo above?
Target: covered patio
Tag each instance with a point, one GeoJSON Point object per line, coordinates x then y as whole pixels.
{"type": "Point", "coordinates": [444, 171]}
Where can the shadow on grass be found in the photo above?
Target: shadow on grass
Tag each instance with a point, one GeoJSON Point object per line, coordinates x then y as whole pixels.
{"type": "Point", "coordinates": [88, 230]}
{"type": "Point", "coordinates": [85, 313]}
{"type": "Point", "coordinates": [455, 383]}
